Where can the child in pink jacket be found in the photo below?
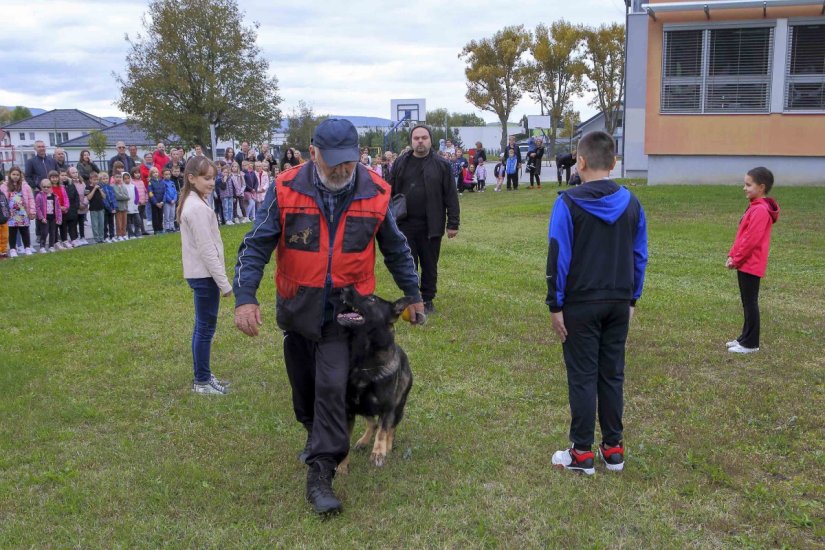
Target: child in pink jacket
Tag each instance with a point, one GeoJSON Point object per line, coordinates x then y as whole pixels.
{"type": "Point", "coordinates": [749, 254]}
{"type": "Point", "coordinates": [49, 214]}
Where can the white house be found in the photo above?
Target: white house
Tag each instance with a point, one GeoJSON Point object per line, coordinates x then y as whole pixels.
{"type": "Point", "coordinates": [53, 127]}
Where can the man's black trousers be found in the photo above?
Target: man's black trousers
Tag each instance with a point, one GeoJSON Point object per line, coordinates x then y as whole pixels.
{"type": "Point", "coordinates": [318, 373]}
{"type": "Point", "coordinates": [566, 170]}
{"type": "Point", "coordinates": [749, 292]}
{"type": "Point", "coordinates": [594, 355]}
{"type": "Point", "coordinates": [425, 252]}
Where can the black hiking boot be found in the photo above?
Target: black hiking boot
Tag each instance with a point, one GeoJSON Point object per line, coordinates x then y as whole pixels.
{"type": "Point", "coordinates": [319, 489]}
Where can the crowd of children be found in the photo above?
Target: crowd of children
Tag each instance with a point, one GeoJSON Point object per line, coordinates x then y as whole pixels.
{"type": "Point", "coordinates": [117, 207]}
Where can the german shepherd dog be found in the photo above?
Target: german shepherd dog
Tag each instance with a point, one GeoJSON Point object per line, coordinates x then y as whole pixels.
{"type": "Point", "coordinates": [380, 377]}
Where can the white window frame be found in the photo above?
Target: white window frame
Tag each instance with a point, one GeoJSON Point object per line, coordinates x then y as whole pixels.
{"type": "Point", "coordinates": [804, 79]}
{"type": "Point", "coordinates": [704, 79]}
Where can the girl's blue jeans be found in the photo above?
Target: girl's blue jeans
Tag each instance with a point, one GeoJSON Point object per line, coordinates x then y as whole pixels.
{"type": "Point", "coordinates": [207, 302]}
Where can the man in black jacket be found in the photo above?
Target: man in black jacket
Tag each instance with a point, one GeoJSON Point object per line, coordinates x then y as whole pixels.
{"type": "Point", "coordinates": [564, 162]}
{"type": "Point", "coordinates": [39, 166]}
{"type": "Point", "coordinates": [426, 181]}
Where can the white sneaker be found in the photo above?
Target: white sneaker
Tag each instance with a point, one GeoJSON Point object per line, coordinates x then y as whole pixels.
{"type": "Point", "coordinates": [212, 387]}
{"type": "Point", "coordinates": [230, 222]}
{"type": "Point", "coordinates": [29, 251]}
{"type": "Point", "coordinates": [237, 220]}
{"type": "Point", "coordinates": [52, 249]}
{"type": "Point", "coordinates": [584, 462]}
{"type": "Point", "coordinates": [107, 240]}
{"type": "Point", "coordinates": [731, 343]}
{"type": "Point", "coordinates": [245, 220]}
{"type": "Point", "coordinates": [43, 250]}
{"type": "Point", "coordinates": [20, 249]}
{"type": "Point", "coordinates": [12, 253]}
{"type": "Point", "coordinates": [75, 243]}
{"type": "Point", "coordinates": [738, 348]}
{"type": "Point", "coordinates": [67, 245]}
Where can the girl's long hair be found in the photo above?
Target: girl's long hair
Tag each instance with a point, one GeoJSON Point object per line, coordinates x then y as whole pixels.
{"type": "Point", "coordinates": [15, 188]}
{"type": "Point", "coordinates": [196, 166]}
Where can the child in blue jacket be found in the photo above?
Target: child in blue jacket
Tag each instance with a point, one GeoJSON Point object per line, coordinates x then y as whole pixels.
{"type": "Point", "coordinates": [170, 199]}
{"type": "Point", "coordinates": [511, 167]}
{"type": "Point", "coordinates": [109, 208]}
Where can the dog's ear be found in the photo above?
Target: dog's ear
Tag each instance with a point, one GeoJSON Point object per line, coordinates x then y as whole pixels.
{"type": "Point", "coordinates": [400, 305]}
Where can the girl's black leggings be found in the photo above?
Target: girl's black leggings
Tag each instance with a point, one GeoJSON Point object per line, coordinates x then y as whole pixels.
{"type": "Point", "coordinates": [749, 292]}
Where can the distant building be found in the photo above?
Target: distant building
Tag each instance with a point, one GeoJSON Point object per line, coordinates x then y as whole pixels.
{"type": "Point", "coordinates": [596, 124]}
{"type": "Point", "coordinates": [54, 128]}
{"type": "Point", "coordinates": [716, 87]}
{"type": "Point", "coordinates": [127, 132]}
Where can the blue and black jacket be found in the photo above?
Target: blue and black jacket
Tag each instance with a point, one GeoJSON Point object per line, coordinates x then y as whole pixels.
{"type": "Point", "coordinates": [597, 246]}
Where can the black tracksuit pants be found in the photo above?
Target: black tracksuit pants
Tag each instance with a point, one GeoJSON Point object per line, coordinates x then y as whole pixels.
{"type": "Point", "coordinates": [749, 292]}
{"type": "Point", "coordinates": [425, 252]}
{"type": "Point", "coordinates": [594, 355]}
{"type": "Point", "coordinates": [318, 373]}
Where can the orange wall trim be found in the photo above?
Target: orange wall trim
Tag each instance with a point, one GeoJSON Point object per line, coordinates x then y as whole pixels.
{"type": "Point", "coordinates": [775, 134]}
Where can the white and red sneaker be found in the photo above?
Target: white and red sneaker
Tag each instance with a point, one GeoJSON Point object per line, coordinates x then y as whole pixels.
{"type": "Point", "coordinates": [613, 457]}
{"type": "Point", "coordinates": [581, 462]}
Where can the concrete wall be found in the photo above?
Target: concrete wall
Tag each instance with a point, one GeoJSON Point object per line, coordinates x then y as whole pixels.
{"type": "Point", "coordinates": [635, 159]}
{"type": "Point", "coordinates": [705, 169]}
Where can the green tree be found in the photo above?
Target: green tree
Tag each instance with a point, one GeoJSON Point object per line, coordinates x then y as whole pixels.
{"type": "Point", "coordinates": [556, 74]}
{"type": "Point", "coordinates": [570, 118]}
{"type": "Point", "coordinates": [605, 70]}
{"type": "Point", "coordinates": [198, 64]}
{"type": "Point", "coordinates": [20, 113]}
{"type": "Point", "coordinates": [302, 123]}
{"type": "Point", "coordinates": [97, 144]}
{"type": "Point", "coordinates": [7, 116]}
{"type": "Point", "coordinates": [494, 66]}
{"type": "Point", "coordinates": [466, 119]}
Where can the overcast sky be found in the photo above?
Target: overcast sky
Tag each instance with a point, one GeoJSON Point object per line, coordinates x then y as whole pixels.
{"type": "Point", "coordinates": [61, 53]}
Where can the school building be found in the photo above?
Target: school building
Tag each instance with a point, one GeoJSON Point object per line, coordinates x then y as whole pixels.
{"type": "Point", "coordinates": [716, 87]}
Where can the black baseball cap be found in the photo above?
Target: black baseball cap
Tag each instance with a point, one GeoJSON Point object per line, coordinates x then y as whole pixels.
{"type": "Point", "coordinates": [337, 139]}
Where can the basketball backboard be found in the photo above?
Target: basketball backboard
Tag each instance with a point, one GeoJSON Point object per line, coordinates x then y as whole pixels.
{"type": "Point", "coordinates": [410, 110]}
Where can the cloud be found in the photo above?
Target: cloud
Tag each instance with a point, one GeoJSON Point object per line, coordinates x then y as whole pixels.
{"type": "Point", "coordinates": [347, 60]}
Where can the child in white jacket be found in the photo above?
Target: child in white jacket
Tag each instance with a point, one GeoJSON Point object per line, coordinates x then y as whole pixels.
{"type": "Point", "coordinates": [204, 267]}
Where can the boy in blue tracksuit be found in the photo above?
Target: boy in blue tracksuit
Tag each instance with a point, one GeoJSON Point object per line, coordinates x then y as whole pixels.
{"type": "Point", "coordinates": [511, 168]}
{"type": "Point", "coordinates": [170, 198]}
{"type": "Point", "coordinates": [596, 264]}
{"type": "Point", "coordinates": [109, 209]}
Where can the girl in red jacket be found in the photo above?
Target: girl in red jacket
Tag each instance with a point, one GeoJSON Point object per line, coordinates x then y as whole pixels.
{"type": "Point", "coordinates": [749, 253]}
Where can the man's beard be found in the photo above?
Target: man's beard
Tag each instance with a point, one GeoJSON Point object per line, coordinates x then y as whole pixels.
{"type": "Point", "coordinates": [333, 183]}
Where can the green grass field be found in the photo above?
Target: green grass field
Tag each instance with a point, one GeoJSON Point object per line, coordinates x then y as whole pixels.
{"type": "Point", "coordinates": [103, 445]}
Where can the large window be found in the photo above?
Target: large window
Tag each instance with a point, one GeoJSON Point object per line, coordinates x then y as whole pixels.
{"type": "Point", "coordinates": [717, 70]}
{"type": "Point", "coordinates": [805, 73]}
{"type": "Point", "coordinates": [56, 138]}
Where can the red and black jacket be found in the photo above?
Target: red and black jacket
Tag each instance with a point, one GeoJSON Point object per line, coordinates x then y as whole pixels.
{"type": "Point", "coordinates": [317, 256]}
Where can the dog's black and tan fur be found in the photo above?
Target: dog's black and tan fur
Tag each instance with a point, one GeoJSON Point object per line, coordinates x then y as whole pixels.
{"type": "Point", "coordinates": [380, 377]}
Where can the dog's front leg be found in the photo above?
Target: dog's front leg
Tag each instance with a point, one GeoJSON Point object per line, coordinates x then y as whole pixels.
{"type": "Point", "coordinates": [367, 437]}
{"type": "Point", "coordinates": [379, 450]}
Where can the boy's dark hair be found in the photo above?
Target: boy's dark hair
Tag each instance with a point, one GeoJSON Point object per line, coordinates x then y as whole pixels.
{"type": "Point", "coordinates": [117, 164]}
{"type": "Point", "coordinates": [166, 170]}
{"type": "Point", "coordinates": [54, 173]}
{"type": "Point", "coordinates": [762, 176]}
{"type": "Point", "coordinates": [599, 149]}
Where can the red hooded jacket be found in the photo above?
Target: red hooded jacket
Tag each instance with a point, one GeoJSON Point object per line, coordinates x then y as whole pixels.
{"type": "Point", "coordinates": [753, 239]}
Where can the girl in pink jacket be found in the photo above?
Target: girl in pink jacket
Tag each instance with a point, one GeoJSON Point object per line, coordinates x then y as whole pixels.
{"type": "Point", "coordinates": [749, 254]}
{"type": "Point", "coordinates": [22, 210]}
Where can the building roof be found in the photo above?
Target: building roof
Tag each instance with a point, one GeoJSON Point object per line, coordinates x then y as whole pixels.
{"type": "Point", "coordinates": [60, 119]}
{"type": "Point", "coordinates": [127, 132]}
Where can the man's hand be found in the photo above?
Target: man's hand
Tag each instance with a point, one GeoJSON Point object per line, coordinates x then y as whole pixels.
{"type": "Point", "coordinates": [451, 233]}
{"type": "Point", "coordinates": [413, 311]}
{"type": "Point", "coordinates": [558, 325]}
{"type": "Point", "coordinates": [248, 319]}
